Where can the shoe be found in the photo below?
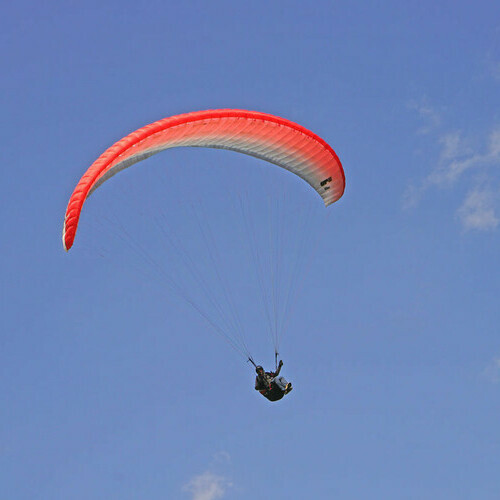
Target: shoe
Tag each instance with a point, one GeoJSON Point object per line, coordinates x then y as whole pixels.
{"type": "Point", "coordinates": [288, 388]}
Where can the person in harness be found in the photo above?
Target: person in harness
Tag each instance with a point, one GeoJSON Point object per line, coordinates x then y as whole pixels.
{"type": "Point", "coordinates": [270, 384]}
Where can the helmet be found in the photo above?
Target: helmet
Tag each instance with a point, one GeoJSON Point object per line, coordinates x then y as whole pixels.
{"type": "Point", "coordinates": [258, 368]}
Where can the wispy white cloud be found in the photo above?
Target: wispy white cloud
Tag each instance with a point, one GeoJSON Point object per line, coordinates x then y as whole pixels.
{"type": "Point", "coordinates": [456, 161]}
{"type": "Point", "coordinates": [412, 195]}
{"type": "Point", "coordinates": [492, 371]}
{"type": "Point", "coordinates": [457, 157]}
{"type": "Point", "coordinates": [478, 210]}
{"type": "Point", "coordinates": [430, 117]}
{"type": "Point", "coordinates": [207, 486]}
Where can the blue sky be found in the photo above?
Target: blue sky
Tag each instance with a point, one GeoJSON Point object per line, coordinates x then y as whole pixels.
{"type": "Point", "coordinates": [113, 387]}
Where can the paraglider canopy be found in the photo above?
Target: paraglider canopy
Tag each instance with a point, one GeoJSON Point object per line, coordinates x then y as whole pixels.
{"type": "Point", "coordinates": [271, 138]}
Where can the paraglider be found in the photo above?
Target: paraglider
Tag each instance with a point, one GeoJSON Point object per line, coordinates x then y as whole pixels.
{"type": "Point", "coordinates": [264, 136]}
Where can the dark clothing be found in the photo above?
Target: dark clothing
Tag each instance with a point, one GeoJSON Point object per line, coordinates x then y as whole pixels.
{"type": "Point", "coordinates": [263, 382]}
{"type": "Point", "coordinates": [274, 394]}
